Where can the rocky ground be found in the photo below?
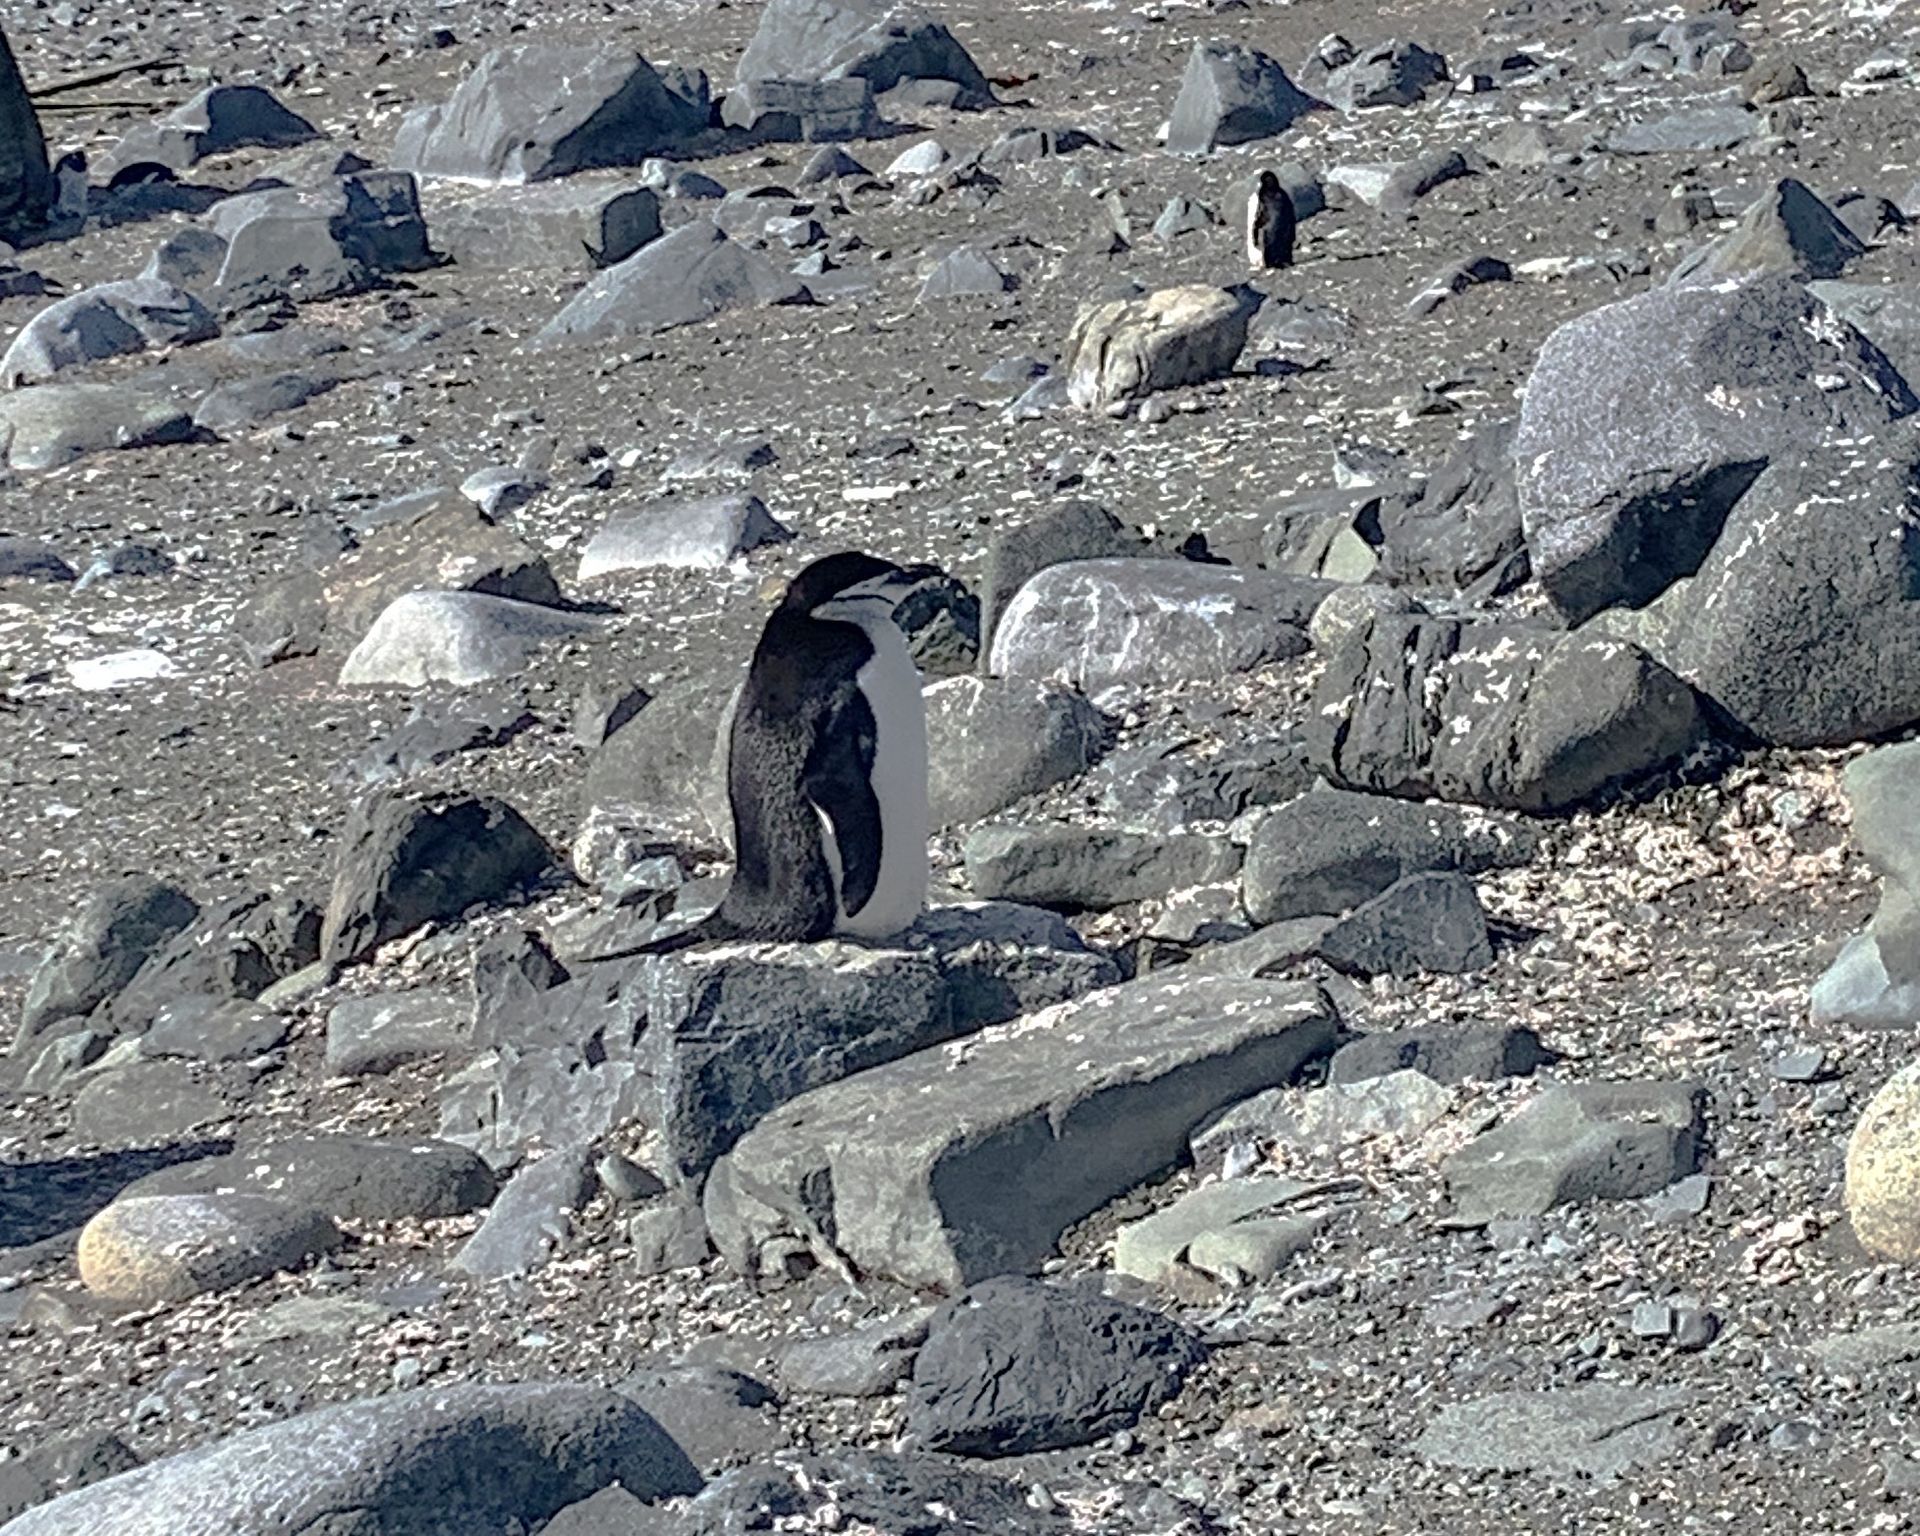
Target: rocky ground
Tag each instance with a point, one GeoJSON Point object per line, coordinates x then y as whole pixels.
{"type": "Point", "coordinates": [742, 1192]}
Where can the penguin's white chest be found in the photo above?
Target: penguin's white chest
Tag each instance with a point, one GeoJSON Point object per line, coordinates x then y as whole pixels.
{"type": "Point", "coordinates": [891, 684]}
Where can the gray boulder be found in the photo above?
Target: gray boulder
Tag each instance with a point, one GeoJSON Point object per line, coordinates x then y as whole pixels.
{"type": "Point", "coordinates": [1803, 622]}
{"type": "Point", "coordinates": [110, 320]}
{"type": "Point", "coordinates": [1495, 714]}
{"type": "Point", "coordinates": [1875, 980]}
{"type": "Point", "coordinates": [1017, 552]}
{"type": "Point", "coordinates": [666, 766]}
{"type": "Point", "coordinates": [1577, 1435]}
{"type": "Point", "coordinates": [535, 111]}
{"type": "Point", "coordinates": [954, 1165]}
{"type": "Point", "coordinates": [216, 121]}
{"type": "Point", "coordinates": [1695, 130]}
{"type": "Point", "coordinates": [1233, 95]}
{"type": "Point", "coordinates": [118, 929]}
{"type": "Point", "coordinates": [1096, 623]}
{"type": "Point", "coordinates": [370, 1035]}
{"type": "Point", "coordinates": [26, 182]}
{"type": "Point", "coordinates": [530, 1221]}
{"type": "Point", "coordinates": [1126, 349]}
{"type": "Point", "coordinates": [1014, 1366]}
{"type": "Point", "coordinates": [1426, 922]}
{"type": "Point", "coordinates": [1887, 314]}
{"type": "Point", "coordinates": [1331, 851]}
{"type": "Point", "coordinates": [350, 1178]}
{"type": "Point", "coordinates": [1081, 869]}
{"type": "Point", "coordinates": [707, 534]}
{"type": "Point", "coordinates": [1787, 230]}
{"type": "Point", "coordinates": [403, 863]}
{"type": "Point", "coordinates": [1394, 74]}
{"type": "Point", "coordinates": [961, 274]}
{"type": "Point", "coordinates": [887, 44]}
{"type": "Point", "coordinates": [407, 1464]}
{"type": "Point", "coordinates": [51, 425]}
{"type": "Point", "coordinates": [1645, 420]}
{"type": "Point", "coordinates": [993, 741]}
{"type": "Point", "coordinates": [1462, 524]}
{"type": "Point", "coordinates": [462, 638]}
{"type": "Point", "coordinates": [146, 1250]}
{"type": "Point", "coordinates": [559, 225]}
{"type": "Point", "coordinates": [1446, 1054]}
{"type": "Point", "coordinates": [802, 111]}
{"type": "Point", "coordinates": [680, 279]}
{"type": "Point", "coordinates": [56, 1466]}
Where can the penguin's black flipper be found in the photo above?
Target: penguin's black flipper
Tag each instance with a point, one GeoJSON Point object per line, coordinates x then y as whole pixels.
{"type": "Point", "coordinates": [838, 780]}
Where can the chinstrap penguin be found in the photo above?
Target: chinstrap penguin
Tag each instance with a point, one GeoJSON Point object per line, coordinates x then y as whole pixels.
{"type": "Point", "coordinates": [1270, 224]}
{"type": "Point", "coordinates": [826, 769]}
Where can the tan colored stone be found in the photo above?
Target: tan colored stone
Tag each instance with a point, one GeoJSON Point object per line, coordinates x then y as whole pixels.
{"type": "Point", "coordinates": [1883, 1169]}
{"type": "Point", "coordinates": [157, 1248]}
{"type": "Point", "coordinates": [1129, 348]}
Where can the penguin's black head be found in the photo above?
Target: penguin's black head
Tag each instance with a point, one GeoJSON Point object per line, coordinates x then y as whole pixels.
{"type": "Point", "coordinates": [1268, 182]}
{"type": "Point", "coordinates": [836, 575]}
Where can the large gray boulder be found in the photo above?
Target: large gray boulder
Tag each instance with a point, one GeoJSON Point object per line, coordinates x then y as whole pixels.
{"type": "Point", "coordinates": [1126, 349]}
{"type": "Point", "coordinates": [1803, 624]}
{"type": "Point", "coordinates": [1233, 95]}
{"type": "Point", "coordinates": [1068, 530]}
{"type": "Point", "coordinates": [110, 320]}
{"type": "Point", "coordinates": [954, 1165]}
{"type": "Point", "coordinates": [680, 279]}
{"type": "Point", "coordinates": [102, 948]}
{"type": "Point", "coordinates": [420, 1463]}
{"type": "Point", "coordinates": [1496, 714]}
{"type": "Point", "coordinates": [1095, 623]}
{"type": "Point", "coordinates": [992, 741]}
{"type": "Point", "coordinates": [1787, 230]}
{"type": "Point", "coordinates": [462, 638]}
{"type": "Point", "coordinates": [568, 224]}
{"type": "Point", "coordinates": [1644, 421]}
{"type": "Point", "coordinates": [52, 425]}
{"type": "Point", "coordinates": [215, 121]}
{"type": "Point", "coordinates": [879, 41]}
{"type": "Point", "coordinates": [535, 111]}
{"type": "Point", "coordinates": [26, 182]}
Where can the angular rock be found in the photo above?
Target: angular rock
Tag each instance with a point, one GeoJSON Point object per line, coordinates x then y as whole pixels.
{"type": "Point", "coordinates": [1425, 922]}
{"type": "Point", "coordinates": [110, 320]}
{"type": "Point", "coordinates": [1494, 714]}
{"type": "Point", "coordinates": [152, 1103]}
{"type": "Point", "coordinates": [102, 948]}
{"type": "Point", "coordinates": [963, 273]}
{"type": "Point", "coordinates": [802, 111]}
{"type": "Point", "coordinates": [1091, 868]}
{"type": "Point", "coordinates": [26, 182]}
{"type": "Point", "coordinates": [248, 402]}
{"type": "Point", "coordinates": [1446, 1054]}
{"type": "Point", "coordinates": [528, 1223]}
{"type": "Point", "coordinates": [1462, 523]}
{"type": "Point", "coordinates": [929, 1170]}
{"type": "Point", "coordinates": [680, 279]}
{"type": "Point", "coordinates": [558, 225]}
{"type": "Point", "coordinates": [51, 425]}
{"type": "Point", "coordinates": [462, 638]}
{"type": "Point", "coordinates": [535, 111]}
{"type": "Point", "coordinates": [1072, 530]}
{"type": "Point", "coordinates": [57, 1466]}
{"type": "Point", "coordinates": [1697, 130]}
{"type": "Point", "coordinates": [718, 1416]}
{"type": "Point", "coordinates": [666, 767]}
{"type": "Point", "coordinates": [23, 559]}
{"type": "Point", "coordinates": [149, 1249]}
{"type": "Point", "coordinates": [1803, 622]}
{"type": "Point", "coordinates": [994, 741]}
{"type": "Point", "coordinates": [371, 1035]}
{"type": "Point", "coordinates": [302, 245]}
{"type": "Point", "coordinates": [350, 1178]}
{"type": "Point", "coordinates": [868, 1361]}
{"type": "Point", "coordinates": [1333, 850]}
{"type": "Point", "coordinates": [1232, 95]}
{"type": "Point", "coordinates": [1573, 1434]}
{"type": "Point", "coordinates": [235, 950]}
{"type": "Point", "coordinates": [1401, 1104]}
{"type": "Point", "coordinates": [1578, 1143]}
{"type": "Point", "coordinates": [1092, 624]}
{"type": "Point", "coordinates": [707, 534]}
{"type": "Point", "coordinates": [1394, 74]}
{"type": "Point", "coordinates": [1705, 386]}
{"type": "Point", "coordinates": [1127, 349]}
{"type": "Point", "coordinates": [1016, 1366]}
{"type": "Point", "coordinates": [403, 863]}
{"type": "Point", "coordinates": [1154, 1248]}
{"type": "Point", "coordinates": [215, 121]}
{"type": "Point", "coordinates": [1165, 786]}
{"type": "Point", "coordinates": [201, 1028]}
{"type": "Point", "coordinates": [485, 1457]}
{"type": "Point", "coordinates": [879, 41]}
{"type": "Point", "coordinates": [1788, 230]}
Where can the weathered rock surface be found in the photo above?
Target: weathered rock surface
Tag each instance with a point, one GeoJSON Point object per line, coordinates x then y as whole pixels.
{"type": "Point", "coordinates": [994, 741]}
{"type": "Point", "coordinates": [696, 535]}
{"type": "Point", "coordinates": [1089, 868]}
{"type": "Point", "coordinates": [551, 224]}
{"type": "Point", "coordinates": [350, 1178]}
{"type": "Point", "coordinates": [1232, 95]}
{"type": "Point", "coordinates": [462, 638]}
{"type": "Point", "coordinates": [1130, 348]}
{"type": "Point", "coordinates": [26, 182]}
{"type": "Point", "coordinates": [147, 1249]}
{"type": "Point", "coordinates": [111, 320]}
{"type": "Point", "coordinates": [873, 40]}
{"type": "Point", "coordinates": [1575, 1433]}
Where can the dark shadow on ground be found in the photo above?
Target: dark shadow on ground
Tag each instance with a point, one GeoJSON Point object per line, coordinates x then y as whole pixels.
{"type": "Point", "coordinates": [42, 1200]}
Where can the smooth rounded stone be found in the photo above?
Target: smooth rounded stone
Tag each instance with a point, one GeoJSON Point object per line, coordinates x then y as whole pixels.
{"type": "Point", "coordinates": [102, 947]}
{"type": "Point", "coordinates": [537, 111]}
{"type": "Point", "coordinates": [682, 278]}
{"type": "Point", "coordinates": [248, 402]}
{"type": "Point", "coordinates": [1429, 922]}
{"type": "Point", "coordinates": [462, 638]}
{"type": "Point", "coordinates": [1127, 349]}
{"type": "Point", "coordinates": [111, 320]}
{"type": "Point", "coordinates": [1232, 95]}
{"type": "Point", "coordinates": [1014, 1366]}
{"type": "Point", "coordinates": [1349, 606]}
{"type": "Point", "coordinates": [23, 559]}
{"type": "Point", "coordinates": [1883, 1170]}
{"type": "Point", "coordinates": [150, 1103]}
{"type": "Point", "coordinates": [1597, 1432]}
{"type": "Point", "coordinates": [367, 1036]}
{"type": "Point", "coordinates": [52, 425]}
{"type": "Point", "coordinates": [717, 1415]}
{"type": "Point", "coordinates": [867, 1361]}
{"type": "Point", "coordinates": [707, 534]}
{"type": "Point", "coordinates": [53, 1467]}
{"type": "Point", "coordinates": [1096, 623]}
{"type": "Point", "coordinates": [1071, 530]}
{"type": "Point", "coordinates": [148, 1249]}
{"type": "Point", "coordinates": [215, 1029]}
{"type": "Point", "coordinates": [484, 1458]}
{"type": "Point", "coordinates": [1091, 868]}
{"type": "Point", "coordinates": [884, 1491]}
{"type": "Point", "coordinates": [1880, 788]}
{"type": "Point", "coordinates": [994, 741]}
{"type": "Point", "coordinates": [351, 1178]}
{"type": "Point", "coordinates": [530, 1221]}
{"type": "Point", "coordinates": [1153, 1249]}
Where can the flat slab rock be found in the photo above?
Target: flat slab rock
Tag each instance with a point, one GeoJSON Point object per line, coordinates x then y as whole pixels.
{"type": "Point", "coordinates": [970, 1160]}
{"type": "Point", "coordinates": [484, 1457]}
{"type": "Point", "coordinates": [1581, 1432]}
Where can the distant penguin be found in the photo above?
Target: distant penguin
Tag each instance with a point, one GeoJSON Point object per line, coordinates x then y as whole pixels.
{"type": "Point", "coordinates": [826, 769]}
{"type": "Point", "coordinates": [1270, 225]}
{"type": "Point", "coordinates": [70, 186]}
